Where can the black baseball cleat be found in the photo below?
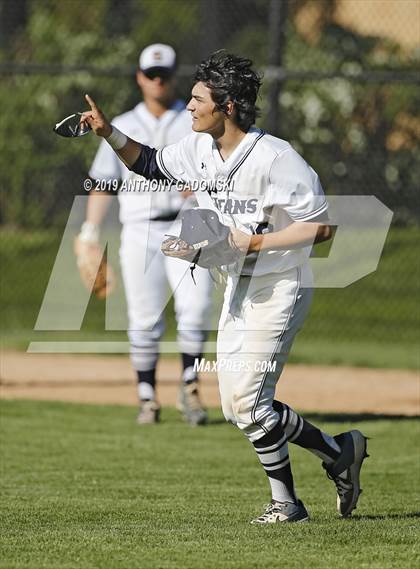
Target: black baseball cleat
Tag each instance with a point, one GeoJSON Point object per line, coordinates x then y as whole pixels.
{"type": "Point", "coordinates": [345, 471]}
{"type": "Point", "coordinates": [283, 512]}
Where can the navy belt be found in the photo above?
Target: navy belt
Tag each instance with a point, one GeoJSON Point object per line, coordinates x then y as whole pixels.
{"type": "Point", "coordinates": [169, 217]}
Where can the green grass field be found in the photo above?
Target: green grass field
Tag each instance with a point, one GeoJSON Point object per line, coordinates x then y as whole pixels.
{"type": "Point", "coordinates": [84, 487]}
{"type": "Point", "coordinates": [374, 322]}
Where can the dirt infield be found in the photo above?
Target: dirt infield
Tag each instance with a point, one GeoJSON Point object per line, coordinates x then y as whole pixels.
{"type": "Point", "coordinates": [110, 379]}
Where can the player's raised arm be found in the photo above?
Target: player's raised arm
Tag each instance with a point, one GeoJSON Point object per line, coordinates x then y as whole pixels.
{"type": "Point", "coordinates": [127, 149]}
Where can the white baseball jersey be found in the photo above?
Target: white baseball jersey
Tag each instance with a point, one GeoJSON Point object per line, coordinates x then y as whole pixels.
{"type": "Point", "coordinates": [139, 124]}
{"type": "Point", "coordinates": [268, 187]}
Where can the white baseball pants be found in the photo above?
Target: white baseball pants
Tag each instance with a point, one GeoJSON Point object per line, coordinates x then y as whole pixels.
{"type": "Point", "coordinates": [259, 320]}
{"type": "Point", "coordinates": [146, 273]}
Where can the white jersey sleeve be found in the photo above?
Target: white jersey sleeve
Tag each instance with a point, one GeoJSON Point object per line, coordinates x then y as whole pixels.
{"type": "Point", "coordinates": [106, 165]}
{"type": "Point", "coordinates": [295, 187]}
{"type": "Point", "coordinates": [176, 161]}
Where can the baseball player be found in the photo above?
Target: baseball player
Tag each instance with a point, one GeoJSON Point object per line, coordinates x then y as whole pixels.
{"type": "Point", "coordinates": [146, 217]}
{"type": "Point", "coordinates": [276, 208]}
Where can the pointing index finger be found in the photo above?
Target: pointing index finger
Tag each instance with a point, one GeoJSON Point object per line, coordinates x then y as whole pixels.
{"type": "Point", "coordinates": [91, 102]}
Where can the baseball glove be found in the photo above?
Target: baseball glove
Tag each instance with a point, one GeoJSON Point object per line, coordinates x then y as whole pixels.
{"type": "Point", "coordinates": [96, 274]}
{"type": "Point", "coordinates": [203, 240]}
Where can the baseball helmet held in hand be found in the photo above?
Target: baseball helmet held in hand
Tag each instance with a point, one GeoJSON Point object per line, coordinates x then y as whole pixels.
{"type": "Point", "coordinates": [203, 240]}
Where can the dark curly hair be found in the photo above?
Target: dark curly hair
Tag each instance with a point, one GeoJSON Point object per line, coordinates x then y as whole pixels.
{"type": "Point", "coordinates": [230, 78]}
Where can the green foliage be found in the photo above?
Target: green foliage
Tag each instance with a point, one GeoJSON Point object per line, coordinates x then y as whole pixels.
{"type": "Point", "coordinates": [89, 488]}
{"type": "Point", "coordinates": [41, 172]}
{"type": "Point", "coordinates": [361, 138]}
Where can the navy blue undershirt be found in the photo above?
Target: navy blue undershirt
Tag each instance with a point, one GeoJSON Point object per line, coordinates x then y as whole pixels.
{"type": "Point", "coordinates": [146, 164]}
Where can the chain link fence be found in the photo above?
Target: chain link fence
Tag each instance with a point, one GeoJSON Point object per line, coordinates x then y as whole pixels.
{"type": "Point", "coordinates": [340, 83]}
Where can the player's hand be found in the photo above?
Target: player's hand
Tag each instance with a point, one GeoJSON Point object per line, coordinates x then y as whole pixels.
{"type": "Point", "coordinates": [96, 119]}
{"type": "Point", "coordinates": [178, 248]}
{"type": "Point", "coordinates": [185, 194]}
{"type": "Point", "coordinates": [242, 241]}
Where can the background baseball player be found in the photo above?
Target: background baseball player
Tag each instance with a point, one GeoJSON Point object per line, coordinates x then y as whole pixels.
{"type": "Point", "coordinates": [268, 297]}
{"type": "Point", "coordinates": [146, 217]}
